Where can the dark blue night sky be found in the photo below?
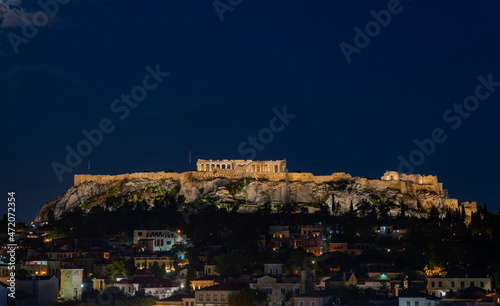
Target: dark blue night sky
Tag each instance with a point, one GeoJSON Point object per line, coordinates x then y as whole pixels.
{"type": "Point", "coordinates": [418, 73]}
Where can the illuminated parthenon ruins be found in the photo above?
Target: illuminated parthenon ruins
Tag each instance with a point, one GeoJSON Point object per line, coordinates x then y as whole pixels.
{"type": "Point", "coordinates": [248, 166]}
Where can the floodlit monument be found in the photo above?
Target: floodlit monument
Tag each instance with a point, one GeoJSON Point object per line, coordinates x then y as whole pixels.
{"type": "Point", "coordinates": [248, 166]}
{"type": "Point", "coordinates": [71, 283]}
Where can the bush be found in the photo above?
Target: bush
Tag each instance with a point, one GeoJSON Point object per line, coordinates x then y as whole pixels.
{"type": "Point", "coordinates": [85, 204]}
{"type": "Point", "coordinates": [112, 190]}
{"type": "Point", "coordinates": [236, 188]}
{"type": "Point", "coordinates": [173, 192]}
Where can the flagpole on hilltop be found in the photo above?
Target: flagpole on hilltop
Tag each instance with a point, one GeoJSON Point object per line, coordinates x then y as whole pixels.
{"type": "Point", "coordinates": [189, 159]}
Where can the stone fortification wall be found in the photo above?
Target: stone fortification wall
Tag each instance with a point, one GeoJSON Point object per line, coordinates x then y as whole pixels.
{"type": "Point", "coordinates": [198, 175]}
{"type": "Point", "coordinates": [430, 181]}
{"type": "Point", "coordinates": [403, 185]}
{"type": "Point", "coordinates": [470, 207]}
{"type": "Point", "coordinates": [102, 179]}
{"type": "Point", "coordinates": [409, 185]}
{"type": "Point", "coordinates": [451, 203]}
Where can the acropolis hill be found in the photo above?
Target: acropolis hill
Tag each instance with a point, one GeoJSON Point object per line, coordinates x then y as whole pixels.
{"type": "Point", "coordinates": [260, 182]}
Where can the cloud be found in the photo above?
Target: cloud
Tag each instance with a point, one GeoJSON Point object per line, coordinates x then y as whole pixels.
{"type": "Point", "coordinates": [12, 15]}
{"type": "Point", "coordinates": [14, 18]}
{"type": "Point", "coordinates": [11, 2]}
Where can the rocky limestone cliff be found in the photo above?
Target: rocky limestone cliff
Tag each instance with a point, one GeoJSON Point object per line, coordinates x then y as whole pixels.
{"type": "Point", "coordinates": [249, 193]}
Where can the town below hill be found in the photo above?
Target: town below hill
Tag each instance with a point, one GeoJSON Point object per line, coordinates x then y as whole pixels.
{"type": "Point", "coordinates": [152, 247]}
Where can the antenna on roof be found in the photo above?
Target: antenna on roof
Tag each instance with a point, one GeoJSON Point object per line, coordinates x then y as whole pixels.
{"type": "Point", "coordinates": [189, 159]}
